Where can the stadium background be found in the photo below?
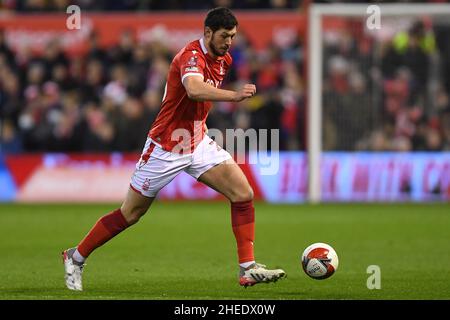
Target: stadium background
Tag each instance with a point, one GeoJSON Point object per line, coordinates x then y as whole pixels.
{"type": "Point", "coordinates": [76, 106]}
{"type": "Point", "coordinates": [69, 95]}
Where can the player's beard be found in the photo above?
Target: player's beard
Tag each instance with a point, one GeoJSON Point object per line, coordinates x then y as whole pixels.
{"type": "Point", "coordinates": [220, 53]}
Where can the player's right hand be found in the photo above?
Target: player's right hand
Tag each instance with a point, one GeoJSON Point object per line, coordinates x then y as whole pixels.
{"type": "Point", "coordinates": [247, 91]}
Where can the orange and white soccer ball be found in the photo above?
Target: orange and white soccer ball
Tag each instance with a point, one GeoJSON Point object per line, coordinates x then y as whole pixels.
{"type": "Point", "coordinates": [320, 261]}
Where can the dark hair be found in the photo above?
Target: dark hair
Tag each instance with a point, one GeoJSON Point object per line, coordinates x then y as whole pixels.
{"type": "Point", "coordinates": [220, 17]}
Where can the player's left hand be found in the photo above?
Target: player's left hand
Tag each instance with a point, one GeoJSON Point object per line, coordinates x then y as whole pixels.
{"type": "Point", "coordinates": [247, 91]}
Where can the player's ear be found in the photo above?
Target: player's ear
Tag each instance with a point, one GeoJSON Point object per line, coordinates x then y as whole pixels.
{"type": "Point", "coordinates": [208, 33]}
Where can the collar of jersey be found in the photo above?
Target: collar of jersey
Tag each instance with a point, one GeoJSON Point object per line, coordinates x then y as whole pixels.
{"type": "Point", "coordinates": [205, 50]}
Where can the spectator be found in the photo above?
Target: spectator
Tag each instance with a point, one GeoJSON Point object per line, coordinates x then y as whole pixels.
{"type": "Point", "coordinates": [10, 141]}
{"type": "Point", "coordinates": [98, 130]}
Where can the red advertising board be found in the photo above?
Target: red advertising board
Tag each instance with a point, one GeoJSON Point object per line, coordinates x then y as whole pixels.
{"type": "Point", "coordinates": [175, 29]}
{"type": "Point", "coordinates": [94, 178]}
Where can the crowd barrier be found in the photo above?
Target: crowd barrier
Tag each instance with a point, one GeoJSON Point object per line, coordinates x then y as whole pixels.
{"type": "Point", "coordinates": [346, 177]}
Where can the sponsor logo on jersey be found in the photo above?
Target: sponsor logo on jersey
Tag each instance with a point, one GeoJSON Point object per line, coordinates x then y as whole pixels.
{"type": "Point", "coordinates": [221, 70]}
{"type": "Point", "coordinates": [191, 69]}
{"type": "Point", "coordinates": [213, 83]}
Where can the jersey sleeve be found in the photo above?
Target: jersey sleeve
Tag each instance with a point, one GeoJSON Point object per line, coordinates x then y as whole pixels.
{"type": "Point", "coordinates": [192, 63]}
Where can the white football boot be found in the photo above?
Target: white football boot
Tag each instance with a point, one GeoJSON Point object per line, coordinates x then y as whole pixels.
{"type": "Point", "coordinates": [257, 273]}
{"type": "Point", "coordinates": [74, 270]}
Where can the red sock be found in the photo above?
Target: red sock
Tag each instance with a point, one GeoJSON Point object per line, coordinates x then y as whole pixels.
{"type": "Point", "coordinates": [243, 222]}
{"type": "Point", "coordinates": [106, 228]}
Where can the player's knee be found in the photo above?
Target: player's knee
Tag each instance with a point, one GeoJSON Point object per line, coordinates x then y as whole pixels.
{"type": "Point", "coordinates": [249, 195]}
{"type": "Point", "coordinates": [245, 194]}
{"type": "Point", "coordinates": [133, 219]}
{"type": "Point", "coordinates": [132, 215]}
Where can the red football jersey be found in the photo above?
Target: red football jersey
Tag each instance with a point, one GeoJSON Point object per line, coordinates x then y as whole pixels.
{"type": "Point", "coordinates": [179, 126]}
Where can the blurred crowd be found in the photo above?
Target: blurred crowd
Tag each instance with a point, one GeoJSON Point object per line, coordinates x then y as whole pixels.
{"type": "Point", "coordinates": [380, 95]}
{"type": "Point", "coordinates": [380, 1]}
{"type": "Point", "coordinates": [144, 5]}
{"type": "Point", "coordinates": [31, 6]}
{"type": "Point", "coordinates": [107, 99]}
{"type": "Point", "coordinates": [387, 95]}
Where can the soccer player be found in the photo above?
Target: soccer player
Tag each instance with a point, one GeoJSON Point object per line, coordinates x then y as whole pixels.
{"type": "Point", "coordinates": [178, 142]}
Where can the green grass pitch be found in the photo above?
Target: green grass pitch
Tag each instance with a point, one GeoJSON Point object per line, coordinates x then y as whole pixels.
{"type": "Point", "coordinates": [186, 250]}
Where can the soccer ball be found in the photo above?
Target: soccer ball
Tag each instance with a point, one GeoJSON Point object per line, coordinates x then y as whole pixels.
{"type": "Point", "coordinates": [319, 261]}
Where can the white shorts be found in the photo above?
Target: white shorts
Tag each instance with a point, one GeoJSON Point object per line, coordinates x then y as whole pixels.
{"type": "Point", "coordinates": [157, 167]}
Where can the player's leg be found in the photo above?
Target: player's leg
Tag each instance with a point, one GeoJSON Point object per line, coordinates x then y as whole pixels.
{"type": "Point", "coordinates": [214, 167]}
{"type": "Point", "coordinates": [151, 175]}
{"type": "Point", "coordinates": [228, 179]}
{"type": "Point", "coordinates": [106, 228]}
{"type": "Point", "coordinates": [111, 224]}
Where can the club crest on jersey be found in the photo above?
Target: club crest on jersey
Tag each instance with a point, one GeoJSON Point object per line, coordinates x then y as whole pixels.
{"type": "Point", "coordinates": [193, 61]}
